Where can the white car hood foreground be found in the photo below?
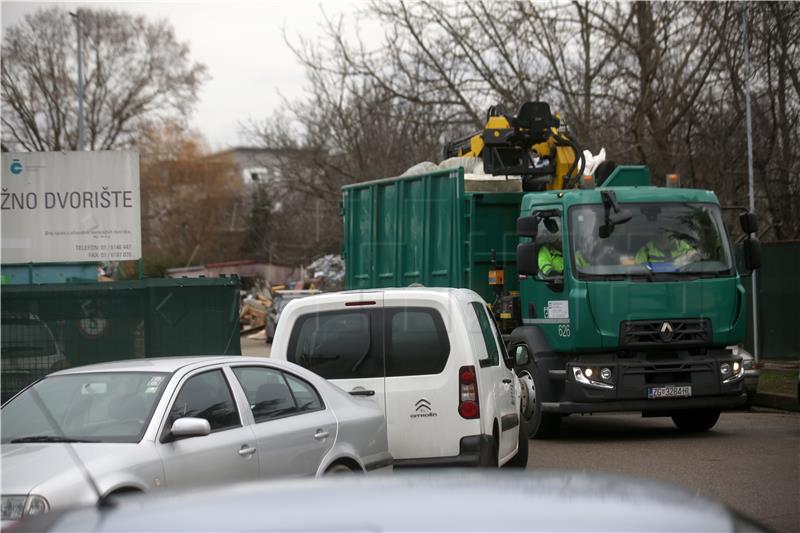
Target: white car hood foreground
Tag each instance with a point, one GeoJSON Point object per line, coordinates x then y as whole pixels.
{"type": "Point", "coordinates": [48, 469]}
{"type": "Point", "coordinates": [415, 501]}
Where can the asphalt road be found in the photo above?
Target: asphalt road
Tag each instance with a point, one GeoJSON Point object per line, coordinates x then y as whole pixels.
{"type": "Point", "coordinates": [750, 460]}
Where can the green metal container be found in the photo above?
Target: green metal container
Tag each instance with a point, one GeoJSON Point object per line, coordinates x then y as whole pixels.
{"type": "Point", "coordinates": [426, 229]}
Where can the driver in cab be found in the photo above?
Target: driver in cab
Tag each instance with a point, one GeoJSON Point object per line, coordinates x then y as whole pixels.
{"type": "Point", "coordinates": [666, 248]}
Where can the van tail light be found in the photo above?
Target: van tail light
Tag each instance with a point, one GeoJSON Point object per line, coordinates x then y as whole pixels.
{"type": "Point", "coordinates": [468, 393]}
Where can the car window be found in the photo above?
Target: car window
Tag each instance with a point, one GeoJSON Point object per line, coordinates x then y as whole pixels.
{"type": "Point", "coordinates": [273, 394]}
{"type": "Point", "coordinates": [208, 396]}
{"type": "Point", "coordinates": [94, 406]}
{"type": "Point", "coordinates": [416, 341]}
{"type": "Point", "coordinates": [305, 394]}
{"type": "Point", "coordinates": [336, 344]}
{"type": "Point", "coordinates": [492, 352]}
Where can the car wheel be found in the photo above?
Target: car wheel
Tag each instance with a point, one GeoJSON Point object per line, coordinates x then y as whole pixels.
{"type": "Point", "coordinates": [338, 469]}
{"type": "Point", "coordinates": [696, 421]}
{"type": "Point", "coordinates": [539, 425]}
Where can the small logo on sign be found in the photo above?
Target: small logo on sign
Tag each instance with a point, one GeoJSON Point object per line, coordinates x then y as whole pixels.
{"type": "Point", "coordinates": [422, 409]}
{"type": "Point", "coordinates": [15, 167]}
{"type": "Point", "coordinates": [666, 332]}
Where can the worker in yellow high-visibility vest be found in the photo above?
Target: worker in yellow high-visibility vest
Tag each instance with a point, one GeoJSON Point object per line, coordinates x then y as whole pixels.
{"type": "Point", "coordinates": [664, 248]}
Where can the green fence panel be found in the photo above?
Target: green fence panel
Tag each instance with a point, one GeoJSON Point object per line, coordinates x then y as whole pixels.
{"type": "Point", "coordinates": [779, 294]}
{"type": "Point", "coordinates": [48, 327]}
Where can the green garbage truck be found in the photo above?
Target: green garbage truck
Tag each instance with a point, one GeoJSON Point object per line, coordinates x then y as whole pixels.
{"type": "Point", "coordinates": [612, 296]}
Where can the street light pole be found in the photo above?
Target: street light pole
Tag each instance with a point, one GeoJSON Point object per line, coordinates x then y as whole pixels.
{"type": "Point", "coordinates": [81, 137]}
{"type": "Point", "coordinates": [751, 187]}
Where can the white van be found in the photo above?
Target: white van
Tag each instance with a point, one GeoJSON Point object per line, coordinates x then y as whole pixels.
{"type": "Point", "coordinates": [433, 358]}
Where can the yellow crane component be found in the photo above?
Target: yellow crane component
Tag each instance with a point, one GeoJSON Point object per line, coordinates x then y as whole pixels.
{"type": "Point", "coordinates": [528, 145]}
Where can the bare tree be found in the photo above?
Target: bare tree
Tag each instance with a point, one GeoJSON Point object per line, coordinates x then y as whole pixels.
{"type": "Point", "coordinates": [187, 198]}
{"type": "Point", "coordinates": [659, 83]}
{"type": "Point", "coordinates": [135, 71]}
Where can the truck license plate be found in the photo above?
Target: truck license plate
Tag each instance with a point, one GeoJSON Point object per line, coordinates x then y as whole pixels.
{"type": "Point", "coordinates": [669, 391]}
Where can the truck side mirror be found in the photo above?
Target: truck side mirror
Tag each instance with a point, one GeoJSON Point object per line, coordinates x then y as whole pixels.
{"type": "Point", "coordinates": [527, 258]}
{"type": "Point", "coordinates": [752, 253]}
{"type": "Point", "coordinates": [528, 226]}
{"type": "Point", "coordinates": [749, 222]}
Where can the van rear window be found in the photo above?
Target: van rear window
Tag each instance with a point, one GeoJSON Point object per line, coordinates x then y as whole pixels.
{"type": "Point", "coordinates": [417, 342]}
{"type": "Point", "coordinates": [336, 344]}
{"type": "Point", "coordinates": [350, 344]}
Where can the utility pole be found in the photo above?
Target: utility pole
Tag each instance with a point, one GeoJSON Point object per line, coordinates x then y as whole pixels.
{"type": "Point", "coordinates": [81, 137]}
{"type": "Point", "coordinates": [751, 188]}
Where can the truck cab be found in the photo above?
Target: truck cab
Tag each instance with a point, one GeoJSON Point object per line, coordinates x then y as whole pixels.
{"type": "Point", "coordinates": [640, 315]}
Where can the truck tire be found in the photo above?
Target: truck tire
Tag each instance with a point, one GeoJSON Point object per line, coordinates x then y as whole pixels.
{"type": "Point", "coordinates": [696, 421]}
{"type": "Point", "coordinates": [540, 425]}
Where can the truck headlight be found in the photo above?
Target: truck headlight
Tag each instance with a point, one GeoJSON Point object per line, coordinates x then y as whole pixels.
{"type": "Point", "coordinates": [15, 507]}
{"type": "Point", "coordinates": [584, 375]}
{"type": "Point", "coordinates": [732, 371]}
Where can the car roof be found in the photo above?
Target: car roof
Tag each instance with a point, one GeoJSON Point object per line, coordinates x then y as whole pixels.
{"type": "Point", "coordinates": [166, 364]}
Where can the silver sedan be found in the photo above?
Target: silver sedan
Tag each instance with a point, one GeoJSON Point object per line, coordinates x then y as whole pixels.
{"type": "Point", "coordinates": [84, 434]}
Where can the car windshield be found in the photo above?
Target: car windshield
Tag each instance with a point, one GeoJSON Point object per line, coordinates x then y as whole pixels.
{"type": "Point", "coordinates": [94, 407]}
{"type": "Point", "coordinates": [659, 241]}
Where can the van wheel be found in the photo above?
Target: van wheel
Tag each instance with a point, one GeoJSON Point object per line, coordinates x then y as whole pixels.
{"type": "Point", "coordinates": [540, 425]}
{"type": "Point", "coordinates": [696, 421]}
{"type": "Point", "coordinates": [521, 459]}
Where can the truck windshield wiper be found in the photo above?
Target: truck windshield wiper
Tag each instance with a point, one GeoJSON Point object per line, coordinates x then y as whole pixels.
{"type": "Point", "coordinates": [48, 438]}
{"type": "Point", "coordinates": [645, 269]}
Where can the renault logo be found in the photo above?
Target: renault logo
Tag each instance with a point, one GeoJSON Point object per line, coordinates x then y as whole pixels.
{"type": "Point", "coordinates": [666, 332]}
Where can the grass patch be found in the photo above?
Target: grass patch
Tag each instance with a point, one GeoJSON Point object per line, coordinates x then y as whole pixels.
{"type": "Point", "coordinates": [774, 381]}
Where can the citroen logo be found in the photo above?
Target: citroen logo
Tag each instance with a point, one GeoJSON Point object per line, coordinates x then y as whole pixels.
{"type": "Point", "coordinates": [423, 404]}
{"type": "Point", "coordinates": [666, 332]}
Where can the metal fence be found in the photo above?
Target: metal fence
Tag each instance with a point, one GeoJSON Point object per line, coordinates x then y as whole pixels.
{"type": "Point", "coordinates": [778, 297]}
{"type": "Point", "coordinates": [48, 327]}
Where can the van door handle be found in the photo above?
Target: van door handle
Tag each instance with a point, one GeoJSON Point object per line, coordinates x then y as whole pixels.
{"type": "Point", "coordinates": [320, 434]}
{"type": "Point", "coordinates": [246, 450]}
{"type": "Point", "coordinates": [362, 392]}
{"type": "Point", "coordinates": [507, 381]}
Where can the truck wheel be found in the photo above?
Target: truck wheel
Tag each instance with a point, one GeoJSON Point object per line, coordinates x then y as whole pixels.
{"type": "Point", "coordinates": [696, 421]}
{"type": "Point", "coordinates": [540, 425]}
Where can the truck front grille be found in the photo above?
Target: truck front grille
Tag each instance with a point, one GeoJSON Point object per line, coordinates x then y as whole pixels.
{"type": "Point", "coordinates": [692, 332]}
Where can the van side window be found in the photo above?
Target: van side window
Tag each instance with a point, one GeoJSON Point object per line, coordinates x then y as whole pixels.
{"type": "Point", "coordinates": [416, 343]}
{"type": "Point", "coordinates": [336, 344]}
{"type": "Point", "coordinates": [492, 351]}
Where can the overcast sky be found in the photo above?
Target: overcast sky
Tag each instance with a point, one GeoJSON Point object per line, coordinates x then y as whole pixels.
{"type": "Point", "coordinates": [242, 45]}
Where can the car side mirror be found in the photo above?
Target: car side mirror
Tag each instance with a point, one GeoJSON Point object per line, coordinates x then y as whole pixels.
{"type": "Point", "coordinates": [752, 253]}
{"type": "Point", "coordinates": [188, 426]}
{"type": "Point", "coordinates": [521, 356]}
{"type": "Point", "coordinates": [749, 222]}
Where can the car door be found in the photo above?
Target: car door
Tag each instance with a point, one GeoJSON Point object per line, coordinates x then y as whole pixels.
{"type": "Point", "coordinates": [496, 381]}
{"type": "Point", "coordinates": [227, 454]}
{"type": "Point", "coordinates": [293, 427]}
{"type": "Point", "coordinates": [339, 339]}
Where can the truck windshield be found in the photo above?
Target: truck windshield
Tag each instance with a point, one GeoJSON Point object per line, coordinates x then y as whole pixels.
{"type": "Point", "coordinates": [661, 241]}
